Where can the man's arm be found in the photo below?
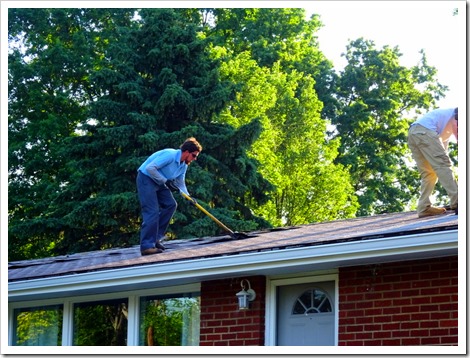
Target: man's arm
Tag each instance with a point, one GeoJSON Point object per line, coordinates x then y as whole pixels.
{"type": "Point", "coordinates": [155, 174]}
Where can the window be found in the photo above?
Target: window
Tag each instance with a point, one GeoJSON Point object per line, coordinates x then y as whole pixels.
{"type": "Point", "coordinates": [38, 326]}
{"type": "Point", "coordinates": [169, 320]}
{"type": "Point", "coordinates": [100, 323]}
{"type": "Point", "coordinates": [312, 301]}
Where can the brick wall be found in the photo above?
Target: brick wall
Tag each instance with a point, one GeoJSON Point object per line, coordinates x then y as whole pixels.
{"type": "Point", "coordinates": [222, 324]}
{"type": "Point", "coordinates": [406, 303]}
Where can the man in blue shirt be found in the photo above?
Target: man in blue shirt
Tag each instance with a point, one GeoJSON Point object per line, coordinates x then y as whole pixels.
{"type": "Point", "coordinates": [163, 169]}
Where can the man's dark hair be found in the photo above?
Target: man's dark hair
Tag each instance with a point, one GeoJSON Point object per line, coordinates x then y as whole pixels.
{"type": "Point", "coordinates": [191, 145]}
{"type": "Point", "coordinates": [456, 113]}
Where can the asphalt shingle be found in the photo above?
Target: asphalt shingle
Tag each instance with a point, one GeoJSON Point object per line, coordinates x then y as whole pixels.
{"type": "Point", "coordinates": [363, 228]}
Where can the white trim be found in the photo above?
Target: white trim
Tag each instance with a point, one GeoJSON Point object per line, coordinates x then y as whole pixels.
{"type": "Point", "coordinates": [272, 284]}
{"type": "Point", "coordinates": [265, 263]}
{"type": "Point", "coordinates": [133, 324]}
{"type": "Point", "coordinates": [67, 323]}
{"type": "Point", "coordinates": [133, 298]}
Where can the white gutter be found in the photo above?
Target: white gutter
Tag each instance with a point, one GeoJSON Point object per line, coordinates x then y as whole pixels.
{"type": "Point", "coordinates": [323, 256]}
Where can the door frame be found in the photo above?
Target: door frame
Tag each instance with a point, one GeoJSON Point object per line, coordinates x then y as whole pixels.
{"type": "Point", "coordinates": [272, 283]}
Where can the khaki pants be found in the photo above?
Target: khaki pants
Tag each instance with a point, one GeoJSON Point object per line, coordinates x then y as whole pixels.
{"type": "Point", "coordinates": [433, 164]}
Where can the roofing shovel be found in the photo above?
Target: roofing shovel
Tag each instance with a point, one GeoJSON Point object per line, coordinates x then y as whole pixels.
{"type": "Point", "coordinates": [233, 235]}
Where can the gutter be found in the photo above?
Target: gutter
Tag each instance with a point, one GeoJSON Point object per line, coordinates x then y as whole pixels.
{"type": "Point", "coordinates": [287, 260]}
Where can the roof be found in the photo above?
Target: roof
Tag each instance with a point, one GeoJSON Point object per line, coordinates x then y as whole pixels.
{"type": "Point", "coordinates": [319, 247]}
{"type": "Point", "coordinates": [326, 233]}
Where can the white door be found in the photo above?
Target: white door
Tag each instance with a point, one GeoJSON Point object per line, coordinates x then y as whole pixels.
{"type": "Point", "coordinates": [306, 314]}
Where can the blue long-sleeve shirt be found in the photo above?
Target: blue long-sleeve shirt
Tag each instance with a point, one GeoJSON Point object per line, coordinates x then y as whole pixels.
{"type": "Point", "coordinates": [166, 165]}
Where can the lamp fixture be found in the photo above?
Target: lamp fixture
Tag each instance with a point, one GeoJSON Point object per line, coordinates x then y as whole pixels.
{"type": "Point", "coordinates": [245, 296]}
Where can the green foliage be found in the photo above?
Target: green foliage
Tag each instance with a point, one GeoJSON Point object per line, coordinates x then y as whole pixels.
{"type": "Point", "coordinates": [38, 327]}
{"type": "Point", "coordinates": [100, 324]}
{"type": "Point", "coordinates": [375, 94]}
{"type": "Point", "coordinates": [273, 65]}
{"type": "Point", "coordinates": [169, 322]}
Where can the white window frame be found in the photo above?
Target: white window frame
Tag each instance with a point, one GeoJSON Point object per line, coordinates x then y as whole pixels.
{"type": "Point", "coordinates": [272, 283]}
{"type": "Point", "coordinates": [133, 309]}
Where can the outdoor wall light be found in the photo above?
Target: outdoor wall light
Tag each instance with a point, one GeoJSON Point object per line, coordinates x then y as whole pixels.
{"type": "Point", "coordinates": [245, 296]}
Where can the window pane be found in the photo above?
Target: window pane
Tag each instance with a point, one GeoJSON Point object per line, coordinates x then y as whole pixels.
{"type": "Point", "coordinates": [101, 323]}
{"type": "Point", "coordinates": [38, 326]}
{"type": "Point", "coordinates": [169, 321]}
{"type": "Point", "coordinates": [312, 301]}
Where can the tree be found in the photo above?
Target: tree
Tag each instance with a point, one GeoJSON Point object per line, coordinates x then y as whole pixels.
{"type": "Point", "coordinates": [52, 55]}
{"type": "Point", "coordinates": [376, 94]}
{"type": "Point", "coordinates": [137, 93]}
{"type": "Point", "coordinates": [272, 55]}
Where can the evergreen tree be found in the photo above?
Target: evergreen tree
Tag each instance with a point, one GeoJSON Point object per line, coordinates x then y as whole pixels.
{"type": "Point", "coordinates": [147, 83]}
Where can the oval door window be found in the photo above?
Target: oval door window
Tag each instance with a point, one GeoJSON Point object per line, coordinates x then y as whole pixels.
{"type": "Point", "coordinates": [312, 301]}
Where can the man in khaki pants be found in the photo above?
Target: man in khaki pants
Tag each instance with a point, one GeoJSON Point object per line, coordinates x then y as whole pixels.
{"type": "Point", "coordinates": [428, 139]}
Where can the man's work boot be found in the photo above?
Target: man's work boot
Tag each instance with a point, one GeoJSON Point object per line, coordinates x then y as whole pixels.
{"type": "Point", "coordinates": [431, 211]}
{"type": "Point", "coordinates": [159, 243]}
{"type": "Point", "coordinates": [151, 251]}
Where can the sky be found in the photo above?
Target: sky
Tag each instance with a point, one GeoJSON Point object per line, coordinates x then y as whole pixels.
{"type": "Point", "coordinates": [409, 25]}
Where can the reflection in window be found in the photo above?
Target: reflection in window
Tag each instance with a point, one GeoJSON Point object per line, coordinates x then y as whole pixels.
{"type": "Point", "coordinates": [102, 323]}
{"type": "Point", "coordinates": [312, 301]}
{"type": "Point", "coordinates": [38, 326]}
{"type": "Point", "coordinates": [169, 321]}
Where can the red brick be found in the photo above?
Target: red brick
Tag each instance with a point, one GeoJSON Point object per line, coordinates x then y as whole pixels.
{"type": "Point", "coordinates": [391, 326]}
{"type": "Point", "coordinates": [429, 324]}
{"type": "Point", "coordinates": [354, 329]}
{"type": "Point", "coordinates": [430, 340]}
{"type": "Point", "coordinates": [364, 304]}
{"type": "Point", "coordinates": [448, 307]}
{"type": "Point", "coordinates": [373, 312]}
{"type": "Point", "coordinates": [420, 300]}
{"type": "Point", "coordinates": [440, 299]}
{"type": "Point", "coordinates": [391, 310]}
{"type": "Point", "coordinates": [410, 341]}
{"type": "Point", "coordinates": [409, 325]}
{"type": "Point", "coordinates": [420, 316]}
{"type": "Point", "coordinates": [391, 342]}
{"type": "Point", "coordinates": [383, 303]}
{"type": "Point", "coordinates": [373, 296]}
{"type": "Point", "coordinates": [363, 336]}
{"type": "Point", "coordinates": [408, 293]}
{"type": "Point", "coordinates": [346, 336]}
{"type": "Point", "coordinates": [382, 334]}
{"type": "Point", "coordinates": [382, 319]}
{"type": "Point", "coordinates": [449, 323]}
{"type": "Point", "coordinates": [450, 340]}
{"type": "Point", "coordinates": [372, 327]}
{"type": "Point", "coordinates": [401, 317]}
{"type": "Point", "coordinates": [396, 334]}
{"type": "Point", "coordinates": [410, 309]}
{"type": "Point", "coordinates": [402, 302]}
{"type": "Point", "coordinates": [439, 332]}
{"type": "Point", "coordinates": [373, 342]}
{"type": "Point", "coordinates": [429, 308]}
{"type": "Point", "coordinates": [419, 333]}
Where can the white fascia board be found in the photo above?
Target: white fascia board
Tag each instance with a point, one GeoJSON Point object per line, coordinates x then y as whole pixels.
{"type": "Point", "coordinates": [267, 262]}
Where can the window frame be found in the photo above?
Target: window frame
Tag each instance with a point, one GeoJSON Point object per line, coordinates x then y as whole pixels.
{"type": "Point", "coordinates": [133, 298]}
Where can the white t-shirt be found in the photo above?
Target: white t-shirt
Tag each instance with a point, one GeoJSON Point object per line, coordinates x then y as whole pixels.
{"type": "Point", "coordinates": [440, 121]}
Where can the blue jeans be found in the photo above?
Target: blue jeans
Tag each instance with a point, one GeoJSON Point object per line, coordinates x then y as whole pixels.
{"type": "Point", "coordinates": [158, 206]}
